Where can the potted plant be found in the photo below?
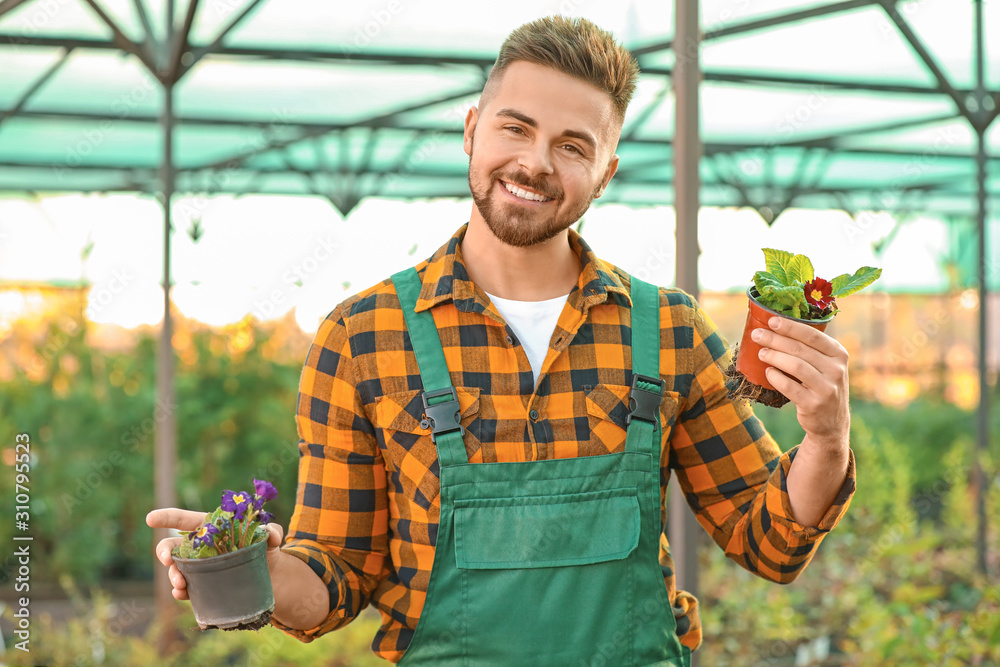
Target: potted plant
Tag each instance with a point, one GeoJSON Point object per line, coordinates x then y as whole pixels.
{"type": "Point", "coordinates": [225, 562]}
{"type": "Point", "coordinates": [787, 288]}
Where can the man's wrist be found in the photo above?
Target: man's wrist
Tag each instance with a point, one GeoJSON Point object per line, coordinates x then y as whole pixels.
{"type": "Point", "coordinates": [831, 447]}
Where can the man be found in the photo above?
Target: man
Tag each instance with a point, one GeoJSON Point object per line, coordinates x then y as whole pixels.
{"type": "Point", "coordinates": [521, 404]}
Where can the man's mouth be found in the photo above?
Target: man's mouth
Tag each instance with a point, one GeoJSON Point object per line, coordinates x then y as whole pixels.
{"type": "Point", "coordinates": [522, 192]}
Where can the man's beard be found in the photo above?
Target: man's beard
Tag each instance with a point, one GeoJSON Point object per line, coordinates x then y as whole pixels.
{"type": "Point", "coordinates": [512, 224]}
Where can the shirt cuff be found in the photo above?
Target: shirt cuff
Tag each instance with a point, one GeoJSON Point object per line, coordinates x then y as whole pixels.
{"type": "Point", "coordinates": [779, 505]}
{"type": "Point", "coordinates": [320, 562]}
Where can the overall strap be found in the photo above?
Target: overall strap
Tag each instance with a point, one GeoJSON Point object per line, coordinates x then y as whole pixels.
{"type": "Point", "coordinates": [442, 413]}
{"type": "Point", "coordinates": [647, 388]}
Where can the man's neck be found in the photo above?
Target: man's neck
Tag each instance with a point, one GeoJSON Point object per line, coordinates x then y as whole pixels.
{"type": "Point", "coordinates": [543, 271]}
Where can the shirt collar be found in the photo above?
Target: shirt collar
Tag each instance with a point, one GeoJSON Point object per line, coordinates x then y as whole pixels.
{"type": "Point", "coordinates": [445, 279]}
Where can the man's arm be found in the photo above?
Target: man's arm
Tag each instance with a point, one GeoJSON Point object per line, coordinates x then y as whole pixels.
{"type": "Point", "coordinates": [821, 404]}
{"type": "Point", "coordinates": [734, 476]}
{"type": "Point", "coordinates": [301, 599]}
{"type": "Point", "coordinates": [339, 530]}
{"type": "Point", "coordinates": [338, 538]}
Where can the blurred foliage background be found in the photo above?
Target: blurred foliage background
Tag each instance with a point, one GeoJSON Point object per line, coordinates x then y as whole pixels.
{"type": "Point", "coordinates": [895, 583]}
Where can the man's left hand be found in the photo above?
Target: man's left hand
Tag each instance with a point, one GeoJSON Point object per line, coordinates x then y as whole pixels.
{"type": "Point", "coordinates": [819, 363]}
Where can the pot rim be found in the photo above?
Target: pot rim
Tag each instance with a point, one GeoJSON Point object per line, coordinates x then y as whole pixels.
{"type": "Point", "coordinates": [753, 289]}
{"type": "Point", "coordinates": [246, 553]}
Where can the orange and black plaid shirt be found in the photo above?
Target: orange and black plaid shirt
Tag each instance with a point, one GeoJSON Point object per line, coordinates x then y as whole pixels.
{"type": "Point", "coordinates": [368, 503]}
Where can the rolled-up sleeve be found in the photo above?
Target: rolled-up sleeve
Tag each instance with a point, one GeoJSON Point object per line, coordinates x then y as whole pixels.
{"type": "Point", "coordinates": [734, 475]}
{"type": "Point", "coordinates": [340, 523]}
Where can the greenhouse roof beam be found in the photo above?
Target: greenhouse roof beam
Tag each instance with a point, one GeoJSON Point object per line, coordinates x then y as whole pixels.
{"type": "Point", "coordinates": [307, 55]}
{"type": "Point", "coordinates": [375, 121]}
{"type": "Point", "coordinates": [180, 45]}
{"type": "Point", "coordinates": [833, 140]}
{"type": "Point", "coordinates": [35, 87]}
{"type": "Point", "coordinates": [8, 5]}
{"type": "Point", "coordinates": [761, 24]}
{"type": "Point", "coordinates": [826, 141]}
{"type": "Point", "coordinates": [889, 6]}
{"type": "Point", "coordinates": [149, 37]}
{"type": "Point", "coordinates": [120, 40]}
{"type": "Point", "coordinates": [200, 52]}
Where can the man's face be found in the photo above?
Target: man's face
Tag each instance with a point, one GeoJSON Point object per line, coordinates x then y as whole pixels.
{"type": "Point", "coordinates": [550, 138]}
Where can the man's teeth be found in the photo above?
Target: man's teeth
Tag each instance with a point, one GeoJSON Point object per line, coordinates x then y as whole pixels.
{"type": "Point", "coordinates": [524, 194]}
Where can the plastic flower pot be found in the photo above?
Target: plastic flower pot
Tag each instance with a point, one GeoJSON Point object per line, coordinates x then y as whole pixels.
{"type": "Point", "coordinates": [748, 361]}
{"type": "Point", "coordinates": [231, 591]}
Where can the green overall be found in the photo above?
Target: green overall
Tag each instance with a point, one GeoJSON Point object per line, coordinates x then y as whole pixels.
{"type": "Point", "coordinates": [551, 562]}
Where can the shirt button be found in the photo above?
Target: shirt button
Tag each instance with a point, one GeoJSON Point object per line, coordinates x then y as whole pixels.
{"type": "Point", "coordinates": [534, 415]}
{"type": "Point", "coordinates": [510, 341]}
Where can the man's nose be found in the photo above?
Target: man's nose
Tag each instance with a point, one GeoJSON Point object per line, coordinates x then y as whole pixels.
{"type": "Point", "coordinates": [536, 159]}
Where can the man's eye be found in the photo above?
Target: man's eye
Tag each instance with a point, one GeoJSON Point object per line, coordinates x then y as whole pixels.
{"type": "Point", "coordinates": [573, 148]}
{"type": "Point", "coordinates": [514, 128]}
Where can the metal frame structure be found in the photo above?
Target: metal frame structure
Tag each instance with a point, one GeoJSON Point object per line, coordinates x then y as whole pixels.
{"type": "Point", "coordinates": [173, 61]}
{"type": "Point", "coordinates": [171, 58]}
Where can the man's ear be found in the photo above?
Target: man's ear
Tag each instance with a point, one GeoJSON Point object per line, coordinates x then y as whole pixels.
{"type": "Point", "coordinates": [471, 119]}
{"type": "Point", "coordinates": [609, 173]}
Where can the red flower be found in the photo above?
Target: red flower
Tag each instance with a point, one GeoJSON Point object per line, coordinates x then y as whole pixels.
{"type": "Point", "coordinates": [818, 293]}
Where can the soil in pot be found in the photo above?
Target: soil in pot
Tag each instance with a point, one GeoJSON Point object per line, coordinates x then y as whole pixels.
{"type": "Point", "coordinates": [231, 591]}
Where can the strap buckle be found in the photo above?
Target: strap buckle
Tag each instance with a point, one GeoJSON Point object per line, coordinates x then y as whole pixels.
{"type": "Point", "coordinates": [643, 402]}
{"type": "Point", "coordinates": [443, 416]}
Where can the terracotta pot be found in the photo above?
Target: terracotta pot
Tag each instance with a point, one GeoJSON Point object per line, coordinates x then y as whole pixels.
{"type": "Point", "coordinates": [231, 589]}
{"type": "Point", "coordinates": [747, 362]}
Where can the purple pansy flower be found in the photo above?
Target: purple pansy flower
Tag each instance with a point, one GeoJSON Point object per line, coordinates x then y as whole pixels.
{"type": "Point", "coordinates": [238, 503]}
{"type": "Point", "coordinates": [265, 517]}
{"type": "Point", "coordinates": [204, 536]}
{"type": "Point", "coordinates": [264, 490]}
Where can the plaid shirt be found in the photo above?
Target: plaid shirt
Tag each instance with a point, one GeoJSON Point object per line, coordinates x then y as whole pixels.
{"type": "Point", "coordinates": [368, 500]}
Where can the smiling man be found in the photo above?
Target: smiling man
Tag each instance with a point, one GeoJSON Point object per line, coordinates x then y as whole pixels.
{"type": "Point", "coordinates": [486, 439]}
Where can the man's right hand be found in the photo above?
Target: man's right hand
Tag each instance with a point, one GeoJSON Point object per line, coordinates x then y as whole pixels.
{"type": "Point", "coordinates": [188, 520]}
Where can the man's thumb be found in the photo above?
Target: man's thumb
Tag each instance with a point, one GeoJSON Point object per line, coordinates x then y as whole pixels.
{"type": "Point", "coordinates": [275, 535]}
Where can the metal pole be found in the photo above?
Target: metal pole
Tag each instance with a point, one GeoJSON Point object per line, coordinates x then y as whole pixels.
{"type": "Point", "coordinates": [983, 420]}
{"type": "Point", "coordinates": [165, 456]}
{"type": "Point", "coordinates": [983, 413]}
{"type": "Point", "coordinates": [683, 528]}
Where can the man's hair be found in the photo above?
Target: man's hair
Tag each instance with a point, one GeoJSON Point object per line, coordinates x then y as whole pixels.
{"type": "Point", "coordinates": [573, 46]}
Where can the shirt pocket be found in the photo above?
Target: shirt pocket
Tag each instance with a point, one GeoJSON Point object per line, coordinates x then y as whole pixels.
{"type": "Point", "coordinates": [608, 409]}
{"type": "Point", "coordinates": [409, 451]}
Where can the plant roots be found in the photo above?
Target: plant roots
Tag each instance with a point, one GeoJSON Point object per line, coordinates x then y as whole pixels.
{"type": "Point", "coordinates": [256, 624]}
{"type": "Point", "coordinates": [742, 389]}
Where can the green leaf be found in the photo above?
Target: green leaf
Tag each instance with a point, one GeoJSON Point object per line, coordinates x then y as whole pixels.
{"type": "Point", "coordinates": [765, 282]}
{"type": "Point", "coordinates": [776, 261]}
{"type": "Point", "coordinates": [260, 534]}
{"type": "Point", "coordinates": [790, 296]}
{"type": "Point", "coordinates": [799, 269]}
{"type": "Point", "coordinates": [847, 285]}
{"type": "Point", "coordinates": [207, 552]}
{"type": "Point", "coordinates": [184, 550]}
{"type": "Point", "coordinates": [787, 299]}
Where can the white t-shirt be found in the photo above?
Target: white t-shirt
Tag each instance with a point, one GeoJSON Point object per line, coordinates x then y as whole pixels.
{"type": "Point", "coordinates": [533, 322]}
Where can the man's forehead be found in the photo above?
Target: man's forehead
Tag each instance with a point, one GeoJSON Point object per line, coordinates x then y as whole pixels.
{"type": "Point", "coordinates": [550, 97]}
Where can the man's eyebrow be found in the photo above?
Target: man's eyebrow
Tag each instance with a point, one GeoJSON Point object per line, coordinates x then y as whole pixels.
{"type": "Point", "coordinates": [585, 137]}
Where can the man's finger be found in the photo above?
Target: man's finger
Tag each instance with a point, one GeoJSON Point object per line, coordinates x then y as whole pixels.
{"type": "Point", "coordinates": [177, 579]}
{"type": "Point", "coordinates": [172, 517]}
{"type": "Point", "coordinates": [164, 548]}
{"type": "Point", "coordinates": [275, 534]}
{"type": "Point", "coordinates": [808, 335]}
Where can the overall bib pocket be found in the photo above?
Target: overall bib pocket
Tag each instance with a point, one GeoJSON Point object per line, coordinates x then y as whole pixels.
{"type": "Point", "coordinates": [574, 554]}
{"type": "Point", "coordinates": [546, 531]}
